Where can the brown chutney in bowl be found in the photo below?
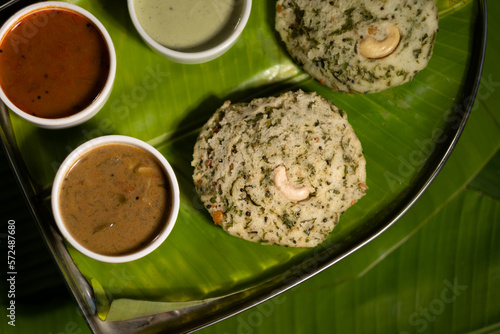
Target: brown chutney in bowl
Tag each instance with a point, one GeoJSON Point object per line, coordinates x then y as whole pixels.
{"type": "Point", "coordinates": [116, 199]}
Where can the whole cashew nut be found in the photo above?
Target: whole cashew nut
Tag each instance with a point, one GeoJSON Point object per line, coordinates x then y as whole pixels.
{"type": "Point", "coordinates": [288, 190]}
{"type": "Point", "coordinates": [372, 48]}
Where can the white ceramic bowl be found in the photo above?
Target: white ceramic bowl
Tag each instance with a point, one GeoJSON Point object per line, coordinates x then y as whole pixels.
{"type": "Point", "coordinates": [100, 100]}
{"type": "Point", "coordinates": [74, 157]}
{"type": "Point", "coordinates": [196, 57]}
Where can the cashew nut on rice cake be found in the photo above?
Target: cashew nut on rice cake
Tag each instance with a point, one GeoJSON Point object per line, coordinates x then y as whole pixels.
{"type": "Point", "coordinates": [279, 170]}
{"type": "Point", "coordinates": [359, 46]}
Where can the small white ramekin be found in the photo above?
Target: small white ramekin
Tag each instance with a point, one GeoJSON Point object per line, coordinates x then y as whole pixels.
{"type": "Point", "coordinates": [100, 100]}
{"type": "Point", "coordinates": [195, 57]}
{"type": "Point", "coordinates": [73, 158]}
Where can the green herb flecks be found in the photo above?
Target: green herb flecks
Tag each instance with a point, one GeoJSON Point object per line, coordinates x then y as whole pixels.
{"type": "Point", "coordinates": [348, 24]}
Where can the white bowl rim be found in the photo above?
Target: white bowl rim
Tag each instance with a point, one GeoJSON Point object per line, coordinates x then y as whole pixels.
{"type": "Point", "coordinates": [101, 141]}
{"type": "Point", "coordinates": [94, 107]}
{"type": "Point", "coordinates": [196, 56]}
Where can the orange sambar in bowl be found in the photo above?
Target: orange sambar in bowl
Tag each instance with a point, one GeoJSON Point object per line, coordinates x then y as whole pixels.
{"type": "Point", "coordinates": [53, 63]}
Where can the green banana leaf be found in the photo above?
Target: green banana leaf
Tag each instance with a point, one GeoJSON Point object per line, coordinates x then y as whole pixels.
{"type": "Point", "coordinates": [443, 278]}
{"type": "Point", "coordinates": [379, 116]}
